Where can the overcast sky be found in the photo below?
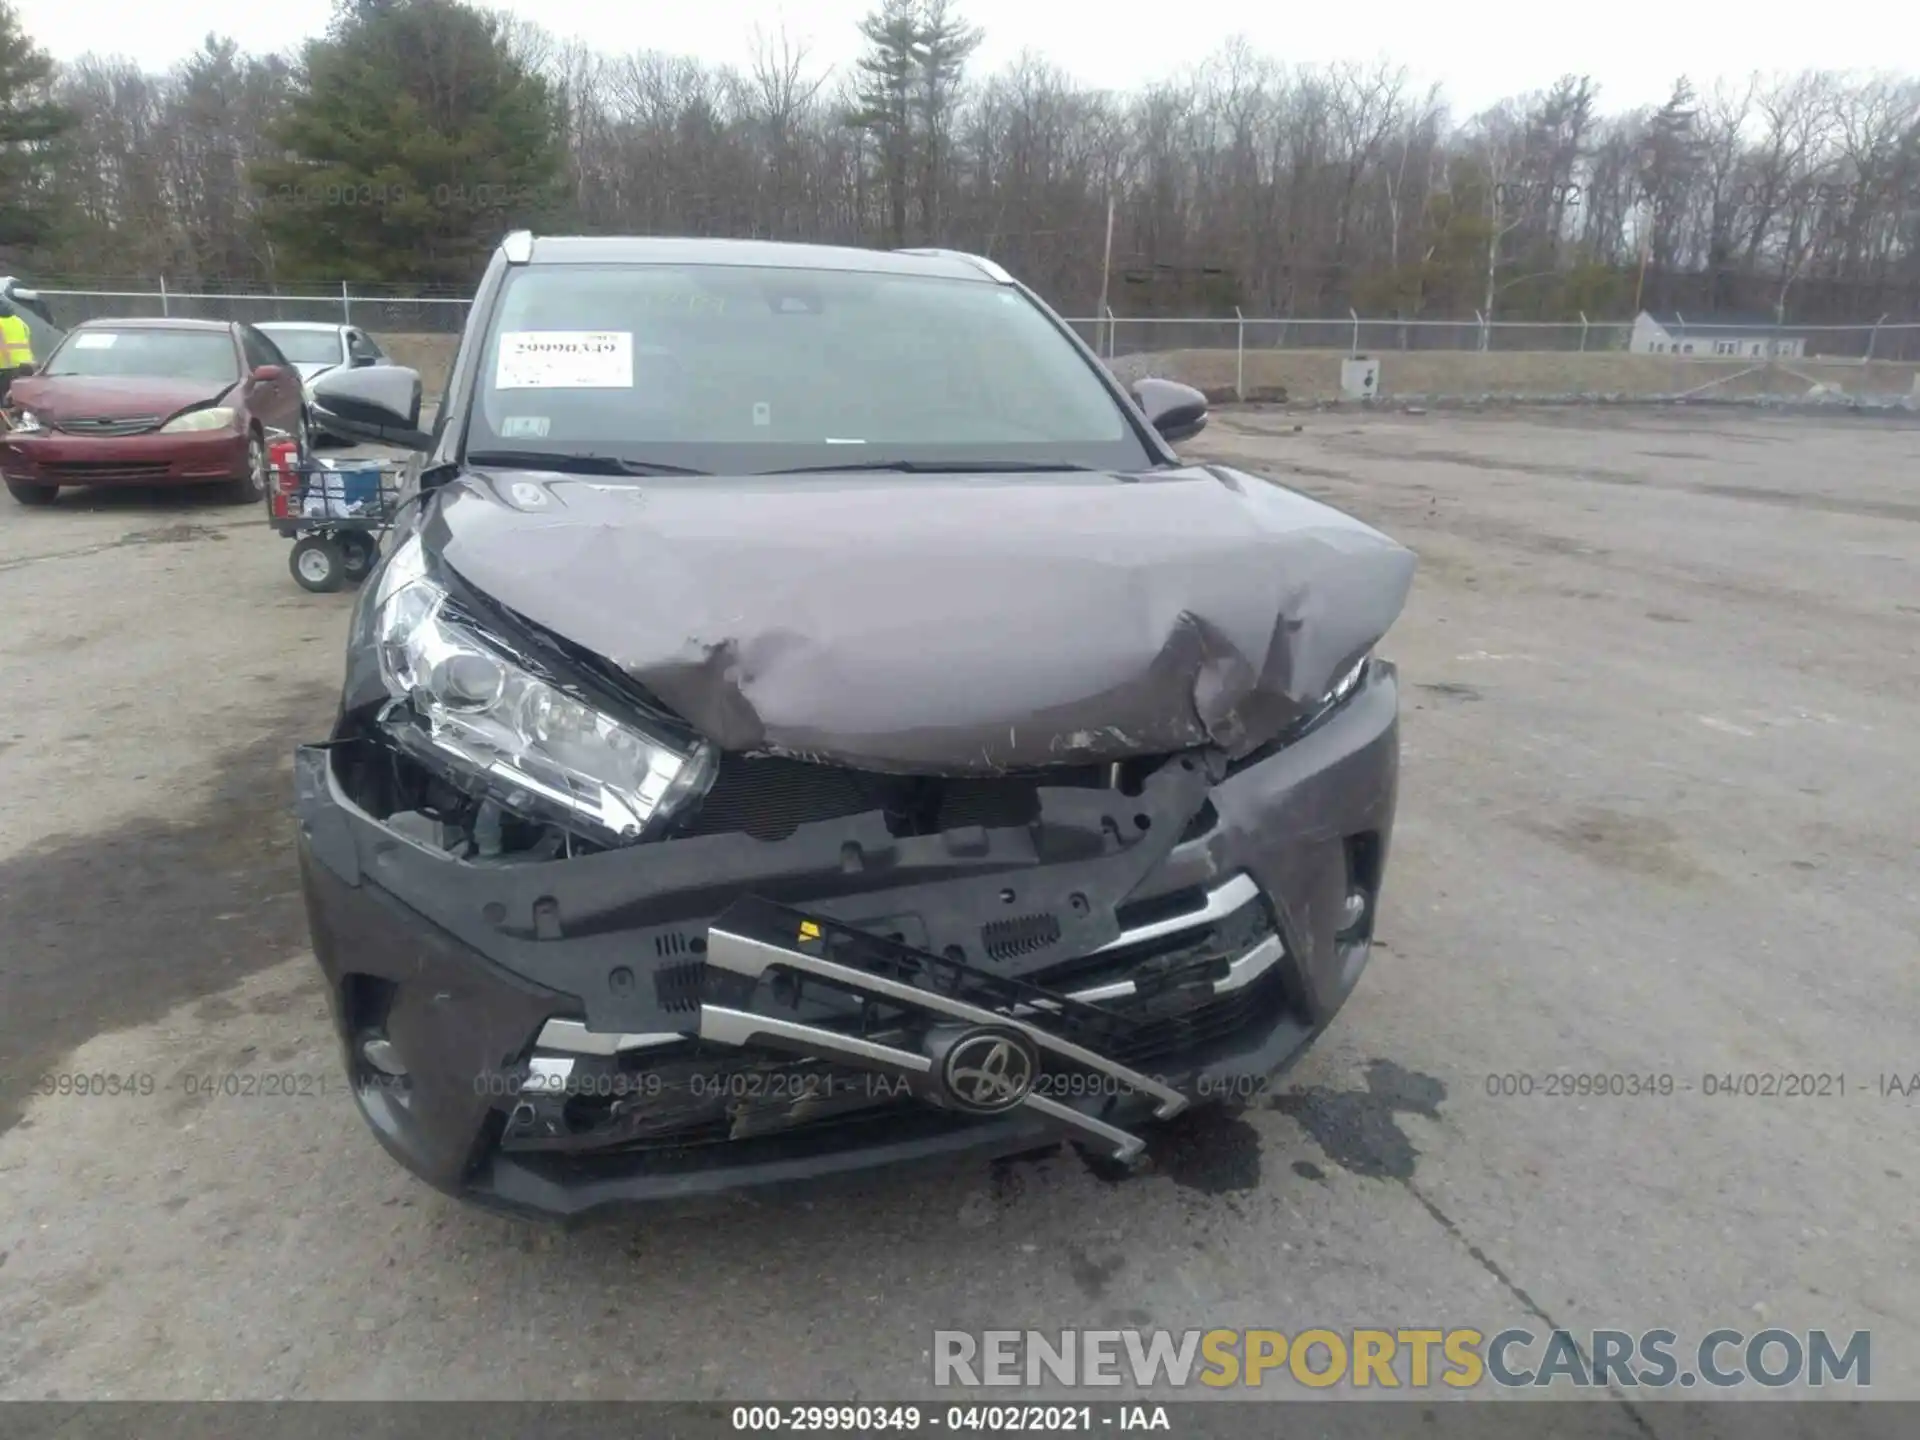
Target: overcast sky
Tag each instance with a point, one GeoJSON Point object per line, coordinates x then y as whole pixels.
{"type": "Point", "coordinates": [1479, 52]}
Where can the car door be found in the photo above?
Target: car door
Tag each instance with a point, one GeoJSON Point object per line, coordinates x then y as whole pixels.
{"type": "Point", "coordinates": [275, 402]}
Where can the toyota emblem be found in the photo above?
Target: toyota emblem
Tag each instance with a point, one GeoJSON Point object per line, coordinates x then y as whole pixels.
{"type": "Point", "coordinates": [988, 1071]}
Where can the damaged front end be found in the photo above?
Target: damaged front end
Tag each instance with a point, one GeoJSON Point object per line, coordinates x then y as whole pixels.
{"type": "Point", "coordinates": [580, 954]}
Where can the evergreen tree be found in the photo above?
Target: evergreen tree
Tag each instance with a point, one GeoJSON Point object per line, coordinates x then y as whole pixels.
{"type": "Point", "coordinates": [908, 90]}
{"type": "Point", "coordinates": [888, 74]}
{"type": "Point", "coordinates": [1669, 168]}
{"type": "Point", "coordinates": [945, 43]}
{"type": "Point", "coordinates": [415, 141]}
{"type": "Point", "coordinates": [31, 127]}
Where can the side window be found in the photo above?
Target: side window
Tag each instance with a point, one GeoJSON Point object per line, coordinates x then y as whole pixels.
{"type": "Point", "coordinates": [361, 350]}
{"type": "Point", "coordinates": [258, 349]}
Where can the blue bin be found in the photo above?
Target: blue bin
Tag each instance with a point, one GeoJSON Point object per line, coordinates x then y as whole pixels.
{"type": "Point", "coordinates": [360, 487]}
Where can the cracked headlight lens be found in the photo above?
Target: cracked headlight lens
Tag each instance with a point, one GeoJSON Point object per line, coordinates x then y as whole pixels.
{"type": "Point", "coordinates": [541, 752]}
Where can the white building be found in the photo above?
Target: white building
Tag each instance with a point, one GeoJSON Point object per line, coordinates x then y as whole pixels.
{"type": "Point", "coordinates": [1721, 337]}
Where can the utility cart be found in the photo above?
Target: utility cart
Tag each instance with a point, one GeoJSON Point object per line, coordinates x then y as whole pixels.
{"type": "Point", "coordinates": [334, 511]}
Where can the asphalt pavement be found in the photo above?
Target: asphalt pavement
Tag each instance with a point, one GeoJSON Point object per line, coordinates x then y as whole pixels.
{"type": "Point", "coordinates": [1662, 685]}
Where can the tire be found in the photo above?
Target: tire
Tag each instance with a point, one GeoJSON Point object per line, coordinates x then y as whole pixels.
{"type": "Point", "coordinates": [317, 564]}
{"type": "Point", "coordinates": [32, 494]}
{"type": "Point", "coordinates": [251, 488]}
{"type": "Point", "coordinates": [359, 553]}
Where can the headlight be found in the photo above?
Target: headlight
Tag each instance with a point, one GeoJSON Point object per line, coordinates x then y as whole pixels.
{"type": "Point", "coordinates": [26, 422]}
{"type": "Point", "coordinates": [218, 417]}
{"type": "Point", "coordinates": [541, 752]}
{"type": "Point", "coordinates": [1349, 682]}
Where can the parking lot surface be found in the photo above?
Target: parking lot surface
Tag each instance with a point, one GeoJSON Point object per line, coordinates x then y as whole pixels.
{"type": "Point", "coordinates": [1661, 677]}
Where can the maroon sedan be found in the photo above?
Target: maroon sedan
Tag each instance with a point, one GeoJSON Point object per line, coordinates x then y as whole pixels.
{"type": "Point", "coordinates": [151, 402]}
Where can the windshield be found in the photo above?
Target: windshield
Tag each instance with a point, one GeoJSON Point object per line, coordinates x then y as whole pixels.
{"type": "Point", "coordinates": [306, 347]}
{"type": "Point", "coordinates": [741, 369]}
{"type": "Point", "coordinates": [159, 354]}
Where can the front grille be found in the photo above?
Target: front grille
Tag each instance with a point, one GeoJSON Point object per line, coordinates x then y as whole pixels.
{"type": "Point", "coordinates": [692, 1094]}
{"type": "Point", "coordinates": [1196, 952]}
{"type": "Point", "coordinates": [1206, 1023]}
{"type": "Point", "coordinates": [125, 425]}
{"type": "Point", "coordinates": [696, 1096]}
{"type": "Point", "coordinates": [769, 797]}
{"type": "Point", "coordinates": [94, 472]}
{"type": "Point", "coordinates": [689, 1149]}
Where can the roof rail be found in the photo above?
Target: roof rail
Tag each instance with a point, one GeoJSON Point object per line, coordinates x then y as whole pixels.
{"type": "Point", "coordinates": [519, 246]}
{"type": "Point", "coordinates": [985, 266]}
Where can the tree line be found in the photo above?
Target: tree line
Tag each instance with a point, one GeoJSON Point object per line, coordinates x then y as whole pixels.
{"type": "Point", "coordinates": [399, 145]}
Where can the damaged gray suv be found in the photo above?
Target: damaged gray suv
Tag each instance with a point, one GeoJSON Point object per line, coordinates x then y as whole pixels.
{"type": "Point", "coordinates": [809, 719]}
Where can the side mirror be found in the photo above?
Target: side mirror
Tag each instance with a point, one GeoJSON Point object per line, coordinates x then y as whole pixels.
{"type": "Point", "coordinates": [266, 374]}
{"type": "Point", "coordinates": [376, 403]}
{"type": "Point", "coordinates": [1178, 412]}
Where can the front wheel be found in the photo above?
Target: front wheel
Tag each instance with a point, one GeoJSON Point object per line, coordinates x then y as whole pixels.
{"type": "Point", "coordinates": [318, 564]}
{"type": "Point", "coordinates": [32, 494]}
{"type": "Point", "coordinates": [250, 488]}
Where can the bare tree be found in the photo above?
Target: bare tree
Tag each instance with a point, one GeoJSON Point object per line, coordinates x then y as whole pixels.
{"type": "Point", "coordinates": [1242, 182]}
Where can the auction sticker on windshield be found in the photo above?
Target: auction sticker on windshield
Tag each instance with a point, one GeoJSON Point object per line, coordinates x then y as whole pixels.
{"type": "Point", "coordinates": [564, 360]}
{"type": "Point", "coordinates": [95, 340]}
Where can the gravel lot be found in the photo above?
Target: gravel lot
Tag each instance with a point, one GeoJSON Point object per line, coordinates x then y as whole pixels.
{"type": "Point", "coordinates": [1662, 685]}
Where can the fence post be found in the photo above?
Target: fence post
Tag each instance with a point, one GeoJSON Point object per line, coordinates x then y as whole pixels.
{"type": "Point", "coordinates": [346, 305]}
{"type": "Point", "coordinates": [1110, 340]}
{"type": "Point", "coordinates": [1583, 332]}
{"type": "Point", "coordinates": [1240, 355]}
{"type": "Point", "coordinates": [1485, 335]}
{"type": "Point", "coordinates": [163, 297]}
{"type": "Point", "coordinates": [1354, 315]}
{"type": "Point", "coordinates": [1873, 338]}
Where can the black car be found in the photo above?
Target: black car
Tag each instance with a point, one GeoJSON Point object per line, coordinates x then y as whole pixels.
{"type": "Point", "coordinates": [811, 720]}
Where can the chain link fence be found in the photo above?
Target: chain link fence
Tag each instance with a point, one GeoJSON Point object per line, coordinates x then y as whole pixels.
{"type": "Point", "coordinates": [380, 308]}
{"type": "Point", "coordinates": [1118, 335]}
{"type": "Point", "coordinates": [1238, 356]}
{"type": "Point", "coordinates": [1269, 358]}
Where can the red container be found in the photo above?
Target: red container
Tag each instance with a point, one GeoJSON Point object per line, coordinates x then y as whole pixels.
{"type": "Point", "coordinates": [283, 456]}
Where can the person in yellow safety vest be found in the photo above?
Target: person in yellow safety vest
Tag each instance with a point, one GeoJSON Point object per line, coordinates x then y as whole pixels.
{"type": "Point", "coordinates": [16, 349]}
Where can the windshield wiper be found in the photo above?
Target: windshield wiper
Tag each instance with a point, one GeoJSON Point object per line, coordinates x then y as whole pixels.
{"type": "Point", "coordinates": [574, 462]}
{"type": "Point", "coordinates": [938, 467]}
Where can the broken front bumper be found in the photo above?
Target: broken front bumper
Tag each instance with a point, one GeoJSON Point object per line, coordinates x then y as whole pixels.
{"type": "Point", "coordinates": [725, 1012]}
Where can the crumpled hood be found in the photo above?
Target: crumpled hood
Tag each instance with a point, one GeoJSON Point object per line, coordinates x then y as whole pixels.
{"type": "Point", "coordinates": [113, 397]}
{"type": "Point", "coordinates": [925, 624]}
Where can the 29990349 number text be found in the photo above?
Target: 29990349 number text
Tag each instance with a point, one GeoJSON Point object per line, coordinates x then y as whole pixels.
{"type": "Point", "coordinates": [854, 1418]}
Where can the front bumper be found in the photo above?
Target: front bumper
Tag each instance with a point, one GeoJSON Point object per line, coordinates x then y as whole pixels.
{"type": "Point", "coordinates": [722, 1013]}
{"type": "Point", "coordinates": [49, 457]}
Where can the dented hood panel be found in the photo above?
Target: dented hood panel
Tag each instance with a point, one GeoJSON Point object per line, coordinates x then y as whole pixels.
{"type": "Point", "coordinates": [943, 625]}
